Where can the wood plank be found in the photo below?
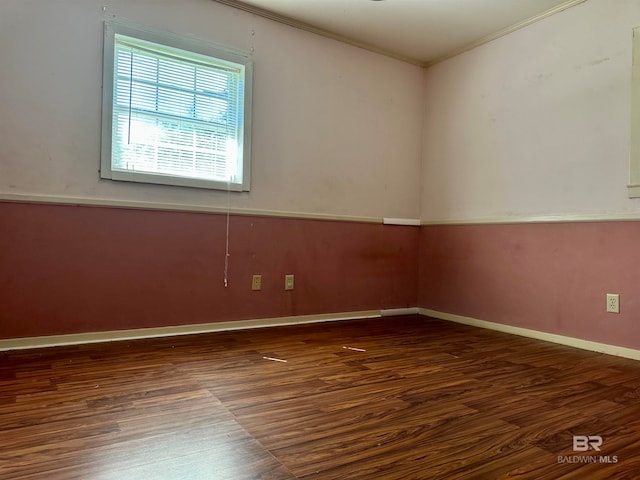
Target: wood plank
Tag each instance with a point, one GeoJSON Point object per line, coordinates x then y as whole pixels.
{"type": "Point", "coordinates": [417, 399]}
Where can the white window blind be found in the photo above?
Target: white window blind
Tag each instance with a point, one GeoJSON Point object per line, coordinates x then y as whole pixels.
{"type": "Point", "coordinates": [176, 114]}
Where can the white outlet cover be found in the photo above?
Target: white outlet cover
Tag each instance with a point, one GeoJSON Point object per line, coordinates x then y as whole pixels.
{"type": "Point", "coordinates": [288, 282]}
{"type": "Point", "coordinates": [613, 303]}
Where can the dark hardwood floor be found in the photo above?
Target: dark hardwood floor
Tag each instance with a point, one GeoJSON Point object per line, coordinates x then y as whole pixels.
{"type": "Point", "coordinates": [392, 398]}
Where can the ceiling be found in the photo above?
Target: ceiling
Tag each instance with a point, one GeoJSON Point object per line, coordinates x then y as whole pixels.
{"type": "Point", "coordinates": [419, 31]}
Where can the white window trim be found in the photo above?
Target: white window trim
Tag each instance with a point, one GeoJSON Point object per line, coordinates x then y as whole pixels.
{"type": "Point", "coordinates": [634, 154]}
{"type": "Point", "coordinates": [191, 44]}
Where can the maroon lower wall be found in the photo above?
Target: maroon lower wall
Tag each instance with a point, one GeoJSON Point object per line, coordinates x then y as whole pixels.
{"type": "Point", "coordinates": [548, 277]}
{"type": "Point", "coordinates": [69, 269]}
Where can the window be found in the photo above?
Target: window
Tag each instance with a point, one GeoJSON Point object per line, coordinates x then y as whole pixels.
{"type": "Point", "coordinates": [175, 110]}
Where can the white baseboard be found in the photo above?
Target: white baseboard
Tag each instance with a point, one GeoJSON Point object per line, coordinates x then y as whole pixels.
{"type": "Point", "coordinates": [525, 332]}
{"type": "Point", "coordinates": [117, 335]}
{"type": "Point", "coordinates": [393, 312]}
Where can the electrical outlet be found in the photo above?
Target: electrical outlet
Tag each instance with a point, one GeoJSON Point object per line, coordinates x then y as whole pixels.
{"type": "Point", "coordinates": [256, 282]}
{"type": "Point", "coordinates": [613, 303]}
{"type": "Point", "coordinates": [288, 282]}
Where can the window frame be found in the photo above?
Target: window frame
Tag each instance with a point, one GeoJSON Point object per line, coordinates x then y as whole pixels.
{"type": "Point", "coordinates": [194, 45]}
{"type": "Point", "coordinates": [633, 189]}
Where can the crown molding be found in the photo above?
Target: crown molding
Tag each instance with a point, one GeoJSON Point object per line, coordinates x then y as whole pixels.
{"type": "Point", "coordinates": [292, 22]}
{"type": "Point", "coordinates": [504, 31]}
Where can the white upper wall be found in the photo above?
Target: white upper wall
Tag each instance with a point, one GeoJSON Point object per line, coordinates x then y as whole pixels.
{"type": "Point", "coordinates": [534, 123]}
{"type": "Point", "coordinates": [336, 129]}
